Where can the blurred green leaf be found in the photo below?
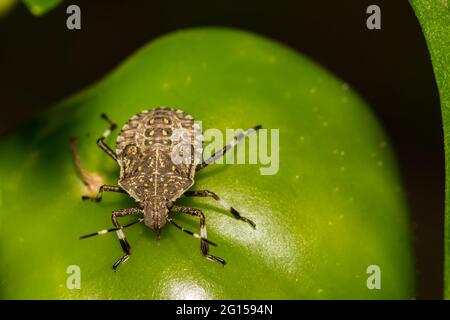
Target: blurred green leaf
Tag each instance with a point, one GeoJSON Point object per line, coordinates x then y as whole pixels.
{"type": "Point", "coordinates": [40, 7]}
{"type": "Point", "coordinates": [434, 17]}
{"type": "Point", "coordinates": [6, 6]}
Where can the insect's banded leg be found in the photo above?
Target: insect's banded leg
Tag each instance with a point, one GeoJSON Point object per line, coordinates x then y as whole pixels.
{"type": "Point", "coordinates": [195, 235]}
{"type": "Point", "coordinates": [120, 261]}
{"type": "Point", "coordinates": [104, 188]}
{"type": "Point", "coordinates": [207, 193]}
{"type": "Point", "coordinates": [105, 231]}
{"type": "Point", "coordinates": [122, 238]}
{"type": "Point", "coordinates": [203, 243]}
{"type": "Point", "coordinates": [221, 152]}
{"type": "Point", "coordinates": [101, 141]}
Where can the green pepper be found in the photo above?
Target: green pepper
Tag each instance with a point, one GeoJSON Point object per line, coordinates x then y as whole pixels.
{"type": "Point", "coordinates": [333, 211]}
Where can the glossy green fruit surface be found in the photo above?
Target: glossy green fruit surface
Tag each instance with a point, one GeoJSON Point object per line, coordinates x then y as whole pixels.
{"type": "Point", "coordinates": [334, 207]}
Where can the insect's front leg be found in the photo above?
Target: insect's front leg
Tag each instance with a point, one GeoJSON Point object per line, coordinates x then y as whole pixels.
{"type": "Point", "coordinates": [104, 188]}
{"type": "Point", "coordinates": [92, 181]}
{"type": "Point", "coordinates": [203, 243]}
{"type": "Point", "coordinates": [221, 152]}
{"type": "Point", "coordinates": [122, 238]}
{"type": "Point", "coordinates": [207, 193]}
{"type": "Point", "coordinates": [101, 141]}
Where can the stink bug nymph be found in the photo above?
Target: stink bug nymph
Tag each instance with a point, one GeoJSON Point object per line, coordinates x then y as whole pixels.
{"type": "Point", "coordinates": [148, 174]}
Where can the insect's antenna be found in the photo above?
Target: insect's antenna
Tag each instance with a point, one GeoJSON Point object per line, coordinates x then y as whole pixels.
{"type": "Point", "coordinates": [111, 230]}
{"type": "Point", "coordinates": [195, 235]}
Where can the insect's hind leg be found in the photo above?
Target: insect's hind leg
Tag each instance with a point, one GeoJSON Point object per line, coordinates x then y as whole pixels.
{"type": "Point", "coordinates": [203, 241]}
{"type": "Point", "coordinates": [221, 152]}
{"type": "Point", "coordinates": [101, 141]}
{"type": "Point", "coordinates": [104, 188]}
{"type": "Point", "coordinates": [122, 238]}
{"type": "Point", "coordinates": [207, 193]}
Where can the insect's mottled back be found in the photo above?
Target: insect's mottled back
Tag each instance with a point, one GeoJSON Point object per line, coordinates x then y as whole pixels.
{"type": "Point", "coordinates": [158, 152]}
{"type": "Point", "coordinates": [146, 148]}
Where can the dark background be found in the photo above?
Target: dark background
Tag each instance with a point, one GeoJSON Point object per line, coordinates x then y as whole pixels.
{"type": "Point", "coordinates": [41, 62]}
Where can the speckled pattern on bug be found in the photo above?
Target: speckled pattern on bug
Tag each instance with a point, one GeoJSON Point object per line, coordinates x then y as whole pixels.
{"type": "Point", "coordinates": [145, 151]}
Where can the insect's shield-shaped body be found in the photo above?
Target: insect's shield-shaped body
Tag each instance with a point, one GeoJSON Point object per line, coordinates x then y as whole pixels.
{"type": "Point", "coordinates": [157, 151]}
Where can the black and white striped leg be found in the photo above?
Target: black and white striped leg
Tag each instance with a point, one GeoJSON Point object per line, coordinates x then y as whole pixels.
{"type": "Point", "coordinates": [221, 152]}
{"type": "Point", "coordinates": [120, 261]}
{"type": "Point", "coordinates": [104, 188]}
{"type": "Point", "coordinates": [203, 234]}
{"type": "Point", "coordinates": [105, 231]}
{"type": "Point", "coordinates": [101, 141]}
{"type": "Point", "coordinates": [207, 193]}
{"type": "Point", "coordinates": [195, 235]}
{"type": "Point", "coordinates": [123, 240]}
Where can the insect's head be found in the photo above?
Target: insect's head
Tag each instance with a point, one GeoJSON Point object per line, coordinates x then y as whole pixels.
{"type": "Point", "coordinates": [156, 212]}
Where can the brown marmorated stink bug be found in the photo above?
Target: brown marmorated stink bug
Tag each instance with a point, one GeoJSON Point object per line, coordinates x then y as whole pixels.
{"type": "Point", "coordinates": [145, 152]}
